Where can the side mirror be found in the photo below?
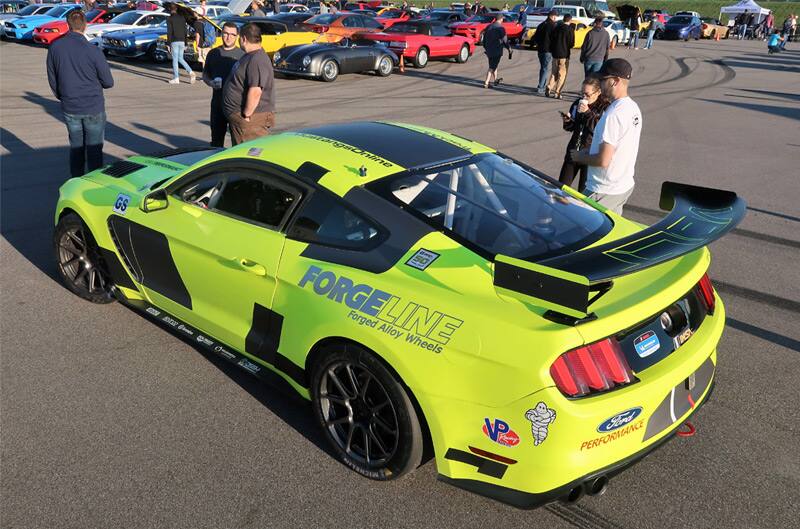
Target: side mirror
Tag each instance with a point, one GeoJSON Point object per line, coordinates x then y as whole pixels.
{"type": "Point", "coordinates": [155, 201]}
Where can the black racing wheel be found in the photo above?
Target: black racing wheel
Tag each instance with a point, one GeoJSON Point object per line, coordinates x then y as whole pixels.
{"type": "Point", "coordinates": [365, 413]}
{"type": "Point", "coordinates": [79, 263]}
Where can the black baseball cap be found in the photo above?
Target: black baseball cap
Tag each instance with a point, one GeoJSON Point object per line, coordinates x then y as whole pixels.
{"type": "Point", "coordinates": [615, 68]}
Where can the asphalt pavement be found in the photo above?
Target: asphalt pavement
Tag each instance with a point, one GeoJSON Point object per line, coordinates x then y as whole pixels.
{"type": "Point", "coordinates": [109, 421]}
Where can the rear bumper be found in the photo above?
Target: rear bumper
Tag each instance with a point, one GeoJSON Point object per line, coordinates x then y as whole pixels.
{"type": "Point", "coordinates": [531, 500]}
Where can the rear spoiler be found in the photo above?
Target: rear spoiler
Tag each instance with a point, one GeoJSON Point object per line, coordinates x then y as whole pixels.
{"type": "Point", "coordinates": [563, 284]}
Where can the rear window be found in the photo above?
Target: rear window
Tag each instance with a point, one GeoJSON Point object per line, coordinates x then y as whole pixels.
{"type": "Point", "coordinates": [403, 28]}
{"type": "Point", "coordinates": [494, 204]}
{"type": "Point", "coordinates": [323, 20]}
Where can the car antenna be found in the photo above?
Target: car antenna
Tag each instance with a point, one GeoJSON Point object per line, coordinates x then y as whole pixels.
{"type": "Point", "coordinates": [362, 171]}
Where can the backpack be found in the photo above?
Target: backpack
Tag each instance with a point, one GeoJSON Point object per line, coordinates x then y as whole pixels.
{"type": "Point", "coordinates": [209, 34]}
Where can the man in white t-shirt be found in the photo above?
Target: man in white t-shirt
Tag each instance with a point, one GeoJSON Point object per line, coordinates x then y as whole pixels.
{"type": "Point", "coordinates": [612, 156]}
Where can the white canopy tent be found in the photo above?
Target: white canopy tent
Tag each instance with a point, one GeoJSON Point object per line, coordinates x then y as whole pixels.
{"type": "Point", "coordinates": [745, 5]}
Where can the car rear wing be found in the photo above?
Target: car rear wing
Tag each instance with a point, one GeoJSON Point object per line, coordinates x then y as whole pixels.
{"type": "Point", "coordinates": [565, 284]}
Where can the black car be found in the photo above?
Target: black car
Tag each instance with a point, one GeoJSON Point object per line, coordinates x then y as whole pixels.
{"type": "Point", "coordinates": [445, 16]}
{"type": "Point", "coordinates": [327, 60]}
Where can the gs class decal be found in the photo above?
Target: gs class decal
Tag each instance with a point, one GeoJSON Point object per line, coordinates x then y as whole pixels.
{"type": "Point", "coordinates": [541, 417]}
{"type": "Point", "coordinates": [500, 432]}
{"type": "Point", "coordinates": [380, 310]}
{"type": "Point", "coordinates": [121, 204]}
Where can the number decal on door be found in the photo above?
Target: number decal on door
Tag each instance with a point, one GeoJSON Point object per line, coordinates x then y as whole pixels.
{"type": "Point", "coordinates": [121, 204]}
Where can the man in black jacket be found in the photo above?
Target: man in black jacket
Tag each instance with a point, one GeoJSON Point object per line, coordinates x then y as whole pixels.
{"type": "Point", "coordinates": [560, 47]}
{"type": "Point", "coordinates": [176, 35]}
{"type": "Point", "coordinates": [542, 39]}
{"type": "Point", "coordinates": [78, 72]}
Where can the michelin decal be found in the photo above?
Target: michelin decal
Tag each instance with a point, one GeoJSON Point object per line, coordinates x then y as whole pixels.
{"type": "Point", "coordinates": [380, 310]}
{"type": "Point", "coordinates": [541, 417]}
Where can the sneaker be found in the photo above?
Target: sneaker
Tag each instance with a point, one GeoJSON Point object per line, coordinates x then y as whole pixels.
{"type": "Point", "coordinates": [540, 91]}
{"type": "Point", "coordinates": [192, 78]}
{"type": "Point", "coordinates": [174, 81]}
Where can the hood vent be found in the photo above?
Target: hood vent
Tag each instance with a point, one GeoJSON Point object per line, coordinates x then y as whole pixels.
{"type": "Point", "coordinates": [122, 168]}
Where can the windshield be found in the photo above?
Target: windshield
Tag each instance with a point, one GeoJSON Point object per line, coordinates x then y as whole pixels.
{"type": "Point", "coordinates": [28, 10]}
{"type": "Point", "coordinates": [439, 15]}
{"type": "Point", "coordinates": [59, 11]}
{"type": "Point", "coordinates": [403, 28]}
{"type": "Point", "coordinates": [391, 14]}
{"type": "Point", "coordinates": [323, 20]}
{"type": "Point", "coordinates": [481, 18]}
{"type": "Point", "coordinates": [127, 18]}
{"type": "Point", "coordinates": [496, 205]}
{"type": "Point", "coordinates": [680, 20]}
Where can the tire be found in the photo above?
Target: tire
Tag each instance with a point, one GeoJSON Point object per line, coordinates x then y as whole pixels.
{"type": "Point", "coordinates": [78, 261]}
{"type": "Point", "coordinates": [364, 411]}
{"type": "Point", "coordinates": [480, 39]}
{"type": "Point", "coordinates": [329, 71]}
{"type": "Point", "coordinates": [156, 55]}
{"type": "Point", "coordinates": [463, 54]}
{"type": "Point", "coordinates": [421, 59]}
{"type": "Point", "coordinates": [385, 66]}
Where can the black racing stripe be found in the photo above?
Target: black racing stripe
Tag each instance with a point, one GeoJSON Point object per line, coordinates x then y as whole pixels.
{"type": "Point", "coordinates": [265, 333]}
{"type": "Point", "coordinates": [485, 466]}
{"type": "Point", "coordinates": [149, 250]}
{"type": "Point", "coordinates": [115, 269]}
{"type": "Point", "coordinates": [401, 146]}
{"type": "Point", "coordinates": [404, 231]}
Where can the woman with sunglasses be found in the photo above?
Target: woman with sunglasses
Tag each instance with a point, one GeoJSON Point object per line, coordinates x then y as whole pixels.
{"type": "Point", "coordinates": [582, 117]}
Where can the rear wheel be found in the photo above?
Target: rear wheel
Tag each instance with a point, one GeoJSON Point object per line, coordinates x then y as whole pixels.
{"type": "Point", "coordinates": [365, 413]}
{"type": "Point", "coordinates": [329, 71]}
{"type": "Point", "coordinates": [421, 59]}
{"type": "Point", "coordinates": [80, 266]}
{"type": "Point", "coordinates": [157, 55]}
{"type": "Point", "coordinates": [463, 54]}
{"type": "Point", "coordinates": [480, 39]}
{"type": "Point", "coordinates": [385, 66]}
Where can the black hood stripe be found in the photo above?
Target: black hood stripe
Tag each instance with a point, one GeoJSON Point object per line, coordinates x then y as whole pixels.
{"type": "Point", "coordinates": [401, 146]}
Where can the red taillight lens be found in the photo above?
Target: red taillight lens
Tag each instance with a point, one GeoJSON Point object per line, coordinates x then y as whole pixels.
{"type": "Point", "coordinates": [596, 367]}
{"type": "Point", "coordinates": [705, 26]}
{"type": "Point", "coordinates": [707, 292]}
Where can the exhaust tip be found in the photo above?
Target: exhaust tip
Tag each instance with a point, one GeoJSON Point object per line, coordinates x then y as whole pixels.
{"type": "Point", "coordinates": [574, 495]}
{"type": "Point", "coordinates": [596, 486]}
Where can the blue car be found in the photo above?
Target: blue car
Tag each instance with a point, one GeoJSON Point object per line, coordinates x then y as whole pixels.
{"type": "Point", "coordinates": [22, 28]}
{"type": "Point", "coordinates": [137, 42]}
{"type": "Point", "coordinates": [683, 27]}
{"type": "Point", "coordinates": [10, 19]}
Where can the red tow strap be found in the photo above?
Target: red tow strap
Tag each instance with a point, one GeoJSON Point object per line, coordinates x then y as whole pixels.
{"type": "Point", "coordinates": [686, 430]}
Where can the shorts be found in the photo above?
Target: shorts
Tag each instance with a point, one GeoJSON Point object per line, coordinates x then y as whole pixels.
{"type": "Point", "coordinates": [494, 61]}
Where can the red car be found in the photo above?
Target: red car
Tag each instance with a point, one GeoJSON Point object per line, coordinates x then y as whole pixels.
{"type": "Point", "coordinates": [474, 26]}
{"type": "Point", "coordinates": [391, 17]}
{"type": "Point", "coordinates": [419, 41]}
{"type": "Point", "coordinates": [47, 33]}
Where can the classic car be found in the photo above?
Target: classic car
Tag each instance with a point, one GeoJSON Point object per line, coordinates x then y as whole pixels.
{"type": "Point", "coordinates": [137, 42]}
{"type": "Point", "coordinates": [420, 41]}
{"type": "Point", "coordinates": [474, 26]}
{"type": "Point", "coordinates": [47, 33]}
{"type": "Point", "coordinates": [335, 26]}
{"type": "Point", "coordinates": [327, 60]}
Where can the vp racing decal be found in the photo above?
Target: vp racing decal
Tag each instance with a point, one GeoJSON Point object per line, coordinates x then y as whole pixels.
{"type": "Point", "coordinates": [500, 432]}
{"type": "Point", "coordinates": [384, 312]}
{"type": "Point", "coordinates": [541, 417]}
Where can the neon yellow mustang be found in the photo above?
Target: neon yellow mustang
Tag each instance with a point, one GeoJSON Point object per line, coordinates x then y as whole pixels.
{"type": "Point", "coordinates": [425, 292]}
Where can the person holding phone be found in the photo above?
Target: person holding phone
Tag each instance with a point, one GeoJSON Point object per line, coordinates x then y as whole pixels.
{"type": "Point", "coordinates": [581, 119]}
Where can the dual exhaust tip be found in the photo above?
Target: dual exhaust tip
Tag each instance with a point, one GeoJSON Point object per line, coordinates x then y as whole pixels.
{"type": "Point", "coordinates": [592, 487]}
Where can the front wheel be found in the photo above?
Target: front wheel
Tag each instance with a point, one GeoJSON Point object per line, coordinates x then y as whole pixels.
{"type": "Point", "coordinates": [330, 71]}
{"type": "Point", "coordinates": [421, 59]}
{"type": "Point", "coordinates": [365, 413]}
{"type": "Point", "coordinates": [157, 55]}
{"type": "Point", "coordinates": [463, 54]}
{"type": "Point", "coordinates": [80, 266]}
{"type": "Point", "coordinates": [385, 66]}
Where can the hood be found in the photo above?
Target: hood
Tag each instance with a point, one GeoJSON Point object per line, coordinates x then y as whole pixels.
{"type": "Point", "coordinates": [626, 11]}
{"type": "Point", "coordinates": [237, 7]}
{"type": "Point", "coordinates": [125, 34]}
{"type": "Point", "coordinates": [54, 24]}
{"type": "Point", "coordinates": [35, 20]}
{"type": "Point", "coordinates": [296, 53]}
{"type": "Point", "coordinates": [677, 25]}
{"type": "Point", "coordinates": [93, 29]}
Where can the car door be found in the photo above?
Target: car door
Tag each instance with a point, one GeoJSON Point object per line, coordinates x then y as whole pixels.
{"type": "Point", "coordinates": [211, 256]}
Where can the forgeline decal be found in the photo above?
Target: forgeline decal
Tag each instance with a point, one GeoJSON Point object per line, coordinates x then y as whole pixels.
{"type": "Point", "coordinates": [500, 432]}
{"type": "Point", "coordinates": [380, 310]}
{"type": "Point", "coordinates": [619, 420]}
{"type": "Point", "coordinates": [541, 417]}
{"type": "Point", "coordinates": [613, 436]}
{"type": "Point", "coordinates": [355, 150]}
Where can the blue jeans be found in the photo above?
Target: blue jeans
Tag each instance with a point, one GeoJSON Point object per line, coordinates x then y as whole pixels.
{"type": "Point", "coordinates": [177, 57]}
{"type": "Point", "coordinates": [86, 133]}
{"type": "Point", "coordinates": [650, 34]}
{"type": "Point", "coordinates": [634, 42]}
{"type": "Point", "coordinates": [545, 58]}
{"type": "Point", "coordinates": [591, 67]}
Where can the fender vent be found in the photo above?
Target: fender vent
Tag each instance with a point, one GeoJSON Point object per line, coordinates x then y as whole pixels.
{"type": "Point", "coordinates": [122, 168]}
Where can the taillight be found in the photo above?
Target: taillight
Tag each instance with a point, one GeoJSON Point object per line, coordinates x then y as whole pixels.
{"type": "Point", "coordinates": [593, 368]}
{"type": "Point", "coordinates": [707, 292]}
{"type": "Point", "coordinates": [705, 26]}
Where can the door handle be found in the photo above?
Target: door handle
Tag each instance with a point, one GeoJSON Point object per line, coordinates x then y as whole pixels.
{"type": "Point", "coordinates": [251, 266]}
